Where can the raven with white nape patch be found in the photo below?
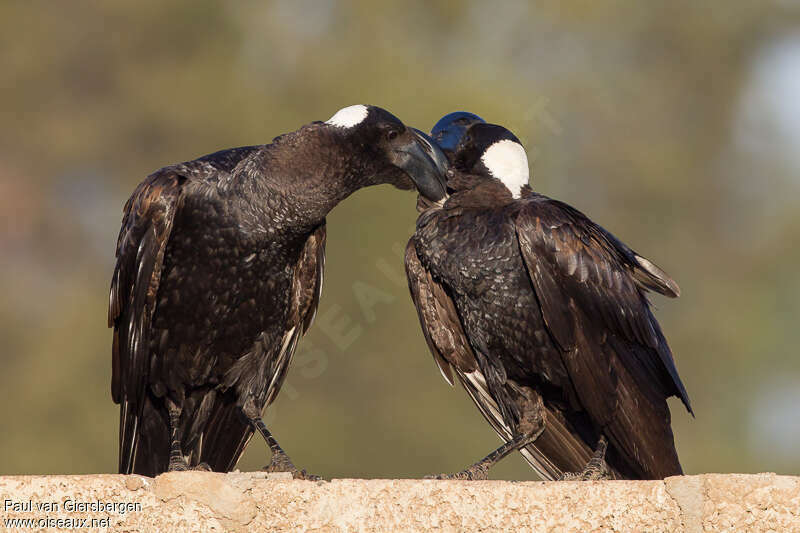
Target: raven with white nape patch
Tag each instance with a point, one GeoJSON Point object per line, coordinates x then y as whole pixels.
{"type": "Point", "coordinates": [542, 316]}
{"type": "Point", "coordinates": [219, 272]}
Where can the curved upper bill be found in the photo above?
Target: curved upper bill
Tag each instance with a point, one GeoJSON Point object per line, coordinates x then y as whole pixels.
{"type": "Point", "coordinates": [426, 164]}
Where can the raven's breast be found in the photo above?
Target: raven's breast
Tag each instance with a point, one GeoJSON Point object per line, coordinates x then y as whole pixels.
{"type": "Point", "coordinates": [220, 289]}
{"type": "Point", "coordinates": [476, 255]}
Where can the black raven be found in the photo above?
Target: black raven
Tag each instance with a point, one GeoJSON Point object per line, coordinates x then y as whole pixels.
{"type": "Point", "coordinates": [541, 314]}
{"type": "Point", "coordinates": [218, 275]}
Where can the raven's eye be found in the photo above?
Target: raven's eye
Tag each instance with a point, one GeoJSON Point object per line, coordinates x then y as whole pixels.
{"type": "Point", "coordinates": [392, 135]}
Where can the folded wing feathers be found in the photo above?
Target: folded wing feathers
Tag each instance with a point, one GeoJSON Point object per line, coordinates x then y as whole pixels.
{"type": "Point", "coordinates": [652, 277]}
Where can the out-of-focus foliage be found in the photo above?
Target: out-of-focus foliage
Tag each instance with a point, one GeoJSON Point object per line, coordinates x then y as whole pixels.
{"type": "Point", "coordinates": [670, 123]}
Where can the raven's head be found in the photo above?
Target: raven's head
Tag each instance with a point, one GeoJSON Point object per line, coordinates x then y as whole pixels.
{"type": "Point", "coordinates": [391, 152]}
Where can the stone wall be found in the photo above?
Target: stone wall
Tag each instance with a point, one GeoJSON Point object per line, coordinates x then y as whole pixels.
{"type": "Point", "coordinates": [201, 501]}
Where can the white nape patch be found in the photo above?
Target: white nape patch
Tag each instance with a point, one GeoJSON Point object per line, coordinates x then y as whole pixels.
{"type": "Point", "coordinates": [506, 160]}
{"type": "Point", "coordinates": [347, 117]}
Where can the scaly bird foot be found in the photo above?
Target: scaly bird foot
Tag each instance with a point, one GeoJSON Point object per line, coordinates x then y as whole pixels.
{"type": "Point", "coordinates": [183, 466]}
{"type": "Point", "coordinates": [280, 462]}
{"type": "Point", "coordinates": [477, 472]}
{"type": "Point", "coordinates": [596, 469]}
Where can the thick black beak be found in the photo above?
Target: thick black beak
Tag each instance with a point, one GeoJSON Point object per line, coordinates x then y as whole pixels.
{"type": "Point", "coordinates": [433, 150]}
{"type": "Point", "coordinates": [425, 163]}
{"type": "Point", "coordinates": [451, 128]}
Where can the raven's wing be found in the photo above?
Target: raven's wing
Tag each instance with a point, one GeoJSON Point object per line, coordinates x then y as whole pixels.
{"type": "Point", "coordinates": [591, 290]}
{"type": "Point", "coordinates": [146, 227]}
{"type": "Point", "coordinates": [444, 332]}
{"type": "Point", "coordinates": [306, 292]}
{"type": "Point", "coordinates": [227, 433]}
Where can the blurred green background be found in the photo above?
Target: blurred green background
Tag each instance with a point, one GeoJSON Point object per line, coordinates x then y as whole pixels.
{"type": "Point", "coordinates": [673, 124]}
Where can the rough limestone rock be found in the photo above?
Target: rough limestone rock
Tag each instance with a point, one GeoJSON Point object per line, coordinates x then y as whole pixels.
{"type": "Point", "coordinates": [204, 501]}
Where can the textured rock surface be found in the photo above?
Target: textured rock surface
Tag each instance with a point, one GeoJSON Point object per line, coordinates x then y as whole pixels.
{"type": "Point", "coordinates": [202, 501]}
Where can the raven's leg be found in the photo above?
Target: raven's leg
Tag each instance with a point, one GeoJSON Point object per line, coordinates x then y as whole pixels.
{"type": "Point", "coordinates": [177, 462]}
{"type": "Point", "coordinates": [176, 459]}
{"type": "Point", "coordinates": [531, 426]}
{"type": "Point", "coordinates": [280, 461]}
{"type": "Point", "coordinates": [595, 469]}
{"type": "Point", "coordinates": [480, 470]}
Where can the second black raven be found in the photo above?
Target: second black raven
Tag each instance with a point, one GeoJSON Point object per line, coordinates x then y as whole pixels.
{"type": "Point", "coordinates": [542, 316]}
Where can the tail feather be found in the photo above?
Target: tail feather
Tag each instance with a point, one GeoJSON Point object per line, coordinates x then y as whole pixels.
{"type": "Point", "coordinates": [144, 446]}
{"type": "Point", "coordinates": [225, 437]}
{"type": "Point", "coordinates": [560, 450]}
